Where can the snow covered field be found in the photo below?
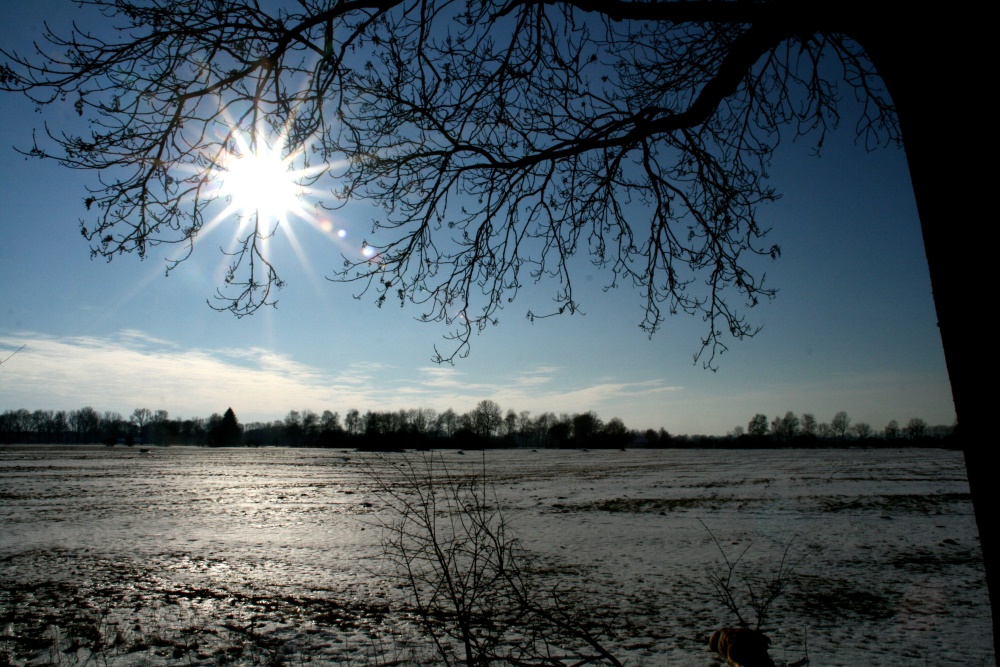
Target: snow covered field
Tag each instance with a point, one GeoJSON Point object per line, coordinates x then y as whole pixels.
{"type": "Point", "coordinates": [271, 556]}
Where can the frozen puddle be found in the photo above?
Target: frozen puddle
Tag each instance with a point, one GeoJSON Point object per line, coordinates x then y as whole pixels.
{"type": "Point", "coordinates": [272, 556]}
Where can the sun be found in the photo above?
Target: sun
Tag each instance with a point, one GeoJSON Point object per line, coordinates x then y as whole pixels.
{"type": "Point", "coordinates": [258, 180]}
{"type": "Point", "coordinates": [265, 185]}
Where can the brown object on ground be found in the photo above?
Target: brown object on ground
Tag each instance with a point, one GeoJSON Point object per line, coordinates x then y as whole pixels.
{"type": "Point", "coordinates": [742, 647]}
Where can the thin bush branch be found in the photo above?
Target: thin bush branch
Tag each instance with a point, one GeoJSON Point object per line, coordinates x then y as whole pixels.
{"type": "Point", "coordinates": [467, 576]}
{"type": "Point", "coordinates": [760, 592]}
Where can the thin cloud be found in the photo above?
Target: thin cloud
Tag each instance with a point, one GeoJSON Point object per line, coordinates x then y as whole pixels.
{"type": "Point", "coordinates": [537, 376]}
{"type": "Point", "coordinates": [537, 390]}
{"type": "Point", "coordinates": [140, 338]}
{"type": "Point", "coordinates": [441, 377]}
{"type": "Point", "coordinates": [134, 369]}
{"type": "Point", "coordinates": [599, 396]}
{"type": "Point", "coordinates": [131, 369]}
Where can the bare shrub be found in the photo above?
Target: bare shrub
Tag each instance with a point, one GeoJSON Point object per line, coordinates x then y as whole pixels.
{"type": "Point", "coordinates": [468, 578]}
{"type": "Point", "coordinates": [743, 592]}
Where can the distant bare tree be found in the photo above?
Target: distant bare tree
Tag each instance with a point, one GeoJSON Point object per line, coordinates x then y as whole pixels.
{"type": "Point", "coordinates": [329, 422]}
{"type": "Point", "coordinates": [862, 430]}
{"type": "Point", "coordinates": [510, 423]}
{"type": "Point", "coordinates": [487, 418]}
{"type": "Point", "coordinates": [17, 421]}
{"type": "Point", "coordinates": [113, 427]}
{"type": "Point", "coordinates": [757, 428]}
{"type": "Point", "coordinates": [293, 428]}
{"type": "Point", "coordinates": [41, 423]}
{"type": "Point", "coordinates": [615, 430]}
{"type": "Point", "coordinates": [785, 428]}
{"type": "Point", "coordinates": [586, 425]}
{"type": "Point", "coordinates": [60, 424]}
{"type": "Point", "coordinates": [141, 417]}
{"type": "Point", "coordinates": [840, 424]}
{"type": "Point", "coordinates": [915, 428]}
{"type": "Point", "coordinates": [425, 420]}
{"type": "Point", "coordinates": [86, 423]}
{"type": "Point", "coordinates": [352, 422]}
{"type": "Point", "coordinates": [524, 423]}
{"type": "Point", "coordinates": [310, 424]}
{"type": "Point", "coordinates": [808, 424]}
{"type": "Point", "coordinates": [447, 423]}
{"type": "Point", "coordinates": [891, 431]}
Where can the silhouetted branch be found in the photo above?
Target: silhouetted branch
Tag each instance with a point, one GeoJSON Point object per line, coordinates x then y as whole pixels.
{"type": "Point", "coordinates": [499, 140]}
{"type": "Point", "coordinates": [5, 360]}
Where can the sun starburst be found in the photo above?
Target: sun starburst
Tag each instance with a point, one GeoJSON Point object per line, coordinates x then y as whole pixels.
{"type": "Point", "coordinates": [259, 180]}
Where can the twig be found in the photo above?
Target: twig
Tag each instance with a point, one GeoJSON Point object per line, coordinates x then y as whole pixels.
{"type": "Point", "coordinates": [3, 361]}
{"type": "Point", "coordinates": [760, 594]}
{"type": "Point", "coordinates": [468, 578]}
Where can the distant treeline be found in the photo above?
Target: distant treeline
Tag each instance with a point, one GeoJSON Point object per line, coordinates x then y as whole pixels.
{"type": "Point", "coordinates": [143, 426]}
{"type": "Point", "coordinates": [484, 426]}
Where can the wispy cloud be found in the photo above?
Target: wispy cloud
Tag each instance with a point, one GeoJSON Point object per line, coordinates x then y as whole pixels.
{"type": "Point", "coordinates": [539, 389]}
{"type": "Point", "coordinates": [534, 377]}
{"type": "Point", "coordinates": [607, 398]}
{"type": "Point", "coordinates": [441, 377]}
{"type": "Point", "coordinates": [133, 369]}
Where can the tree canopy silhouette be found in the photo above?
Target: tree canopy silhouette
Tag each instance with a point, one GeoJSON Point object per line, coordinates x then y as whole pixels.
{"type": "Point", "coordinates": [225, 431]}
{"type": "Point", "coordinates": [499, 139]}
{"type": "Point", "coordinates": [503, 138]}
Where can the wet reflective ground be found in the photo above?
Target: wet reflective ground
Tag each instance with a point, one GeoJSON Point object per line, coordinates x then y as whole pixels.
{"type": "Point", "coordinates": [272, 556]}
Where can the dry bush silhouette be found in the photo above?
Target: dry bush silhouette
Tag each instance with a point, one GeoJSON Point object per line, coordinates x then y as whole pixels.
{"type": "Point", "coordinates": [468, 578]}
{"type": "Point", "coordinates": [749, 595]}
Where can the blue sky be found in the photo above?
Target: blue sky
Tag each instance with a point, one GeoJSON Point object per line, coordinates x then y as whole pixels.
{"type": "Point", "coordinates": [852, 328]}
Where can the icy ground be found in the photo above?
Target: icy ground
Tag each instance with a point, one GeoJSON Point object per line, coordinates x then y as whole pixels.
{"type": "Point", "coordinates": [194, 556]}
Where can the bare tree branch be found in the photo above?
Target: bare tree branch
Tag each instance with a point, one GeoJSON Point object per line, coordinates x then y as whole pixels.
{"type": "Point", "coordinates": [8, 357]}
{"type": "Point", "coordinates": [499, 140]}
